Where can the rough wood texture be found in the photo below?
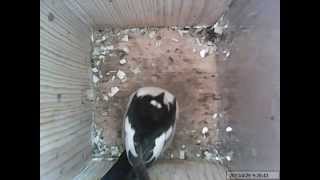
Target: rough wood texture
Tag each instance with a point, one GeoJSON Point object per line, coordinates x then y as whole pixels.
{"type": "Point", "coordinates": [64, 120]}
{"type": "Point", "coordinates": [163, 170]}
{"type": "Point", "coordinates": [188, 170]}
{"type": "Point", "coordinates": [135, 13]}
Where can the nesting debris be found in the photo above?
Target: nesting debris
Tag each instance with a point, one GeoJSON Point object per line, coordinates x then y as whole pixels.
{"type": "Point", "coordinates": [125, 38]}
{"type": "Point", "coordinates": [220, 26]}
{"type": "Point", "coordinates": [99, 146]}
{"type": "Point", "coordinates": [95, 70]}
{"type": "Point", "coordinates": [229, 155]}
{"type": "Point", "coordinates": [100, 75]}
{"type": "Point", "coordinates": [204, 52]}
{"type": "Point", "coordinates": [198, 142]}
{"type": "Point", "coordinates": [96, 52]}
{"type": "Point", "coordinates": [103, 38]}
{"type": "Point", "coordinates": [114, 150]}
{"type": "Point", "coordinates": [113, 78]}
{"type": "Point", "coordinates": [228, 129]}
{"type": "Point", "coordinates": [198, 42]}
{"type": "Point", "coordinates": [110, 72]}
{"type": "Point", "coordinates": [213, 156]}
{"type": "Point", "coordinates": [90, 94]}
{"type": "Point", "coordinates": [122, 51]}
{"type": "Point", "coordinates": [214, 116]}
{"type": "Point", "coordinates": [123, 61]}
{"type": "Point", "coordinates": [110, 159]}
{"type": "Point", "coordinates": [174, 39]}
{"type": "Point", "coordinates": [218, 29]}
{"type": "Point", "coordinates": [101, 57]}
{"type": "Point", "coordinates": [200, 27]}
{"type": "Point", "coordinates": [111, 47]}
{"type": "Point", "coordinates": [205, 131]}
{"type": "Point", "coordinates": [210, 43]}
{"type": "Point", "coordinates": [106, 98]}
{"type": "Point", "coordinates": [98, 63]}
{"type": "Point", "coordinates": [158, 43]}
{"type": "Point", "coordinates": [114, 91]}
{"type": "Point", "coordinates": [125, 49]}
{"type": "Point", "coordinates": [122, 75]}
{"type": "Point", "coordinates": [141, 31]}
{"type": "Point", "coordinates": [171, 156]}
{"type": "Point", "coordinates": [95, 79]}
{"type": "Point", "coordinates": [218, 158]}
{"type": "Point", "coordinates": [212, 49]}
{"type": "Point", "coordinates": [117, 55]}
{"type": "Point", "coordinates": [205, 35]}
{"type": "Point", "coordinates": [152, 34]}
{"type": "Point", "coordinates": [182, 32]}
{"type": "Point", "coordinates": [136, 70]}
{"type": "Point", "coordinates": [208, 156]}
{"type": "Point", "coordinates": [103, 51]}
{"type": "Point", "coordinates": [104, 113]}
{"type": "Point", "coordinates": [183, 146]}
{"type": "Point", "coordinates": [226, 53]}
{"type": "Point", "coordinates": [174, 28]}
{"type": "Point", "coordinates": [208, 50]}
{"type": "Point", "coordinates": [182, 154]}
{"type": "Point", "coordinates": [228, 158]}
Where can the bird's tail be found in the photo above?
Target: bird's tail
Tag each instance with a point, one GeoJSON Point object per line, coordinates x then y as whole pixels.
{"type": "Point", "coordinates": [140, 171]}
{"type": "Point", "coordinates": [139, 168]}
{"type": "Point", "coordinates": [120, 170]}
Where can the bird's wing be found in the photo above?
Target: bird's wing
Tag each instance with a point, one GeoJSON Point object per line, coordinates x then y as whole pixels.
{"type": "Point", "coordinates": [129, 138]}
{"type": "Point", "coordinates": [160, 142]}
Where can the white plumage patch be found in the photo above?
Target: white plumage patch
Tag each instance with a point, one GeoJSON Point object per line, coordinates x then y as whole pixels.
{"type": "Point", "coordinates": [129, 141]}
{"type": "Point", "coordinates": [154, 91]}
{"type": "Point", "coordinates": [156, 104]}
{"type": "Point", "coordinates": [168, 133]}
{"type": "Point", "coordinates": [160, 143]}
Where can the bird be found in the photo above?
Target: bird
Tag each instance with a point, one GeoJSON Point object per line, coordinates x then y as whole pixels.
{"type": "Point", "coordinates": [148, 129]}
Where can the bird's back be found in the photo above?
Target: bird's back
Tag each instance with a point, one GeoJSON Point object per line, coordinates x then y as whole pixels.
{"type": "Point", "coordinates": [149, 124]}
{"type": "Point", "coordinates": [148, 128]}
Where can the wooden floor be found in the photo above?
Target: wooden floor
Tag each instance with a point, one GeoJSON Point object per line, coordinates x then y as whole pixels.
{"type": "Point", "coordinates": [163, 170]}
{"type": "Point", "coordinates": [174, 66]}
{"type": "Point", "coordinates": [94, 170]}
{"type": "Point", "coordinates": [188, 170]}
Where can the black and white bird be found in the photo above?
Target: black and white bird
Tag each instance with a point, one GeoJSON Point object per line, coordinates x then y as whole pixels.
{"type": "Point", "coordinates": [148, 128]}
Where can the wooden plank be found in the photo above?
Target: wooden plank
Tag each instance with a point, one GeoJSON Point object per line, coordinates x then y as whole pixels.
{"type": "Point", "coordinates": [163, 170]}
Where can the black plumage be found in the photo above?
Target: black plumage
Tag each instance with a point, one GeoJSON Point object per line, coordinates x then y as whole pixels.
{"type": "Point", "coordinates": [148, 128]}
